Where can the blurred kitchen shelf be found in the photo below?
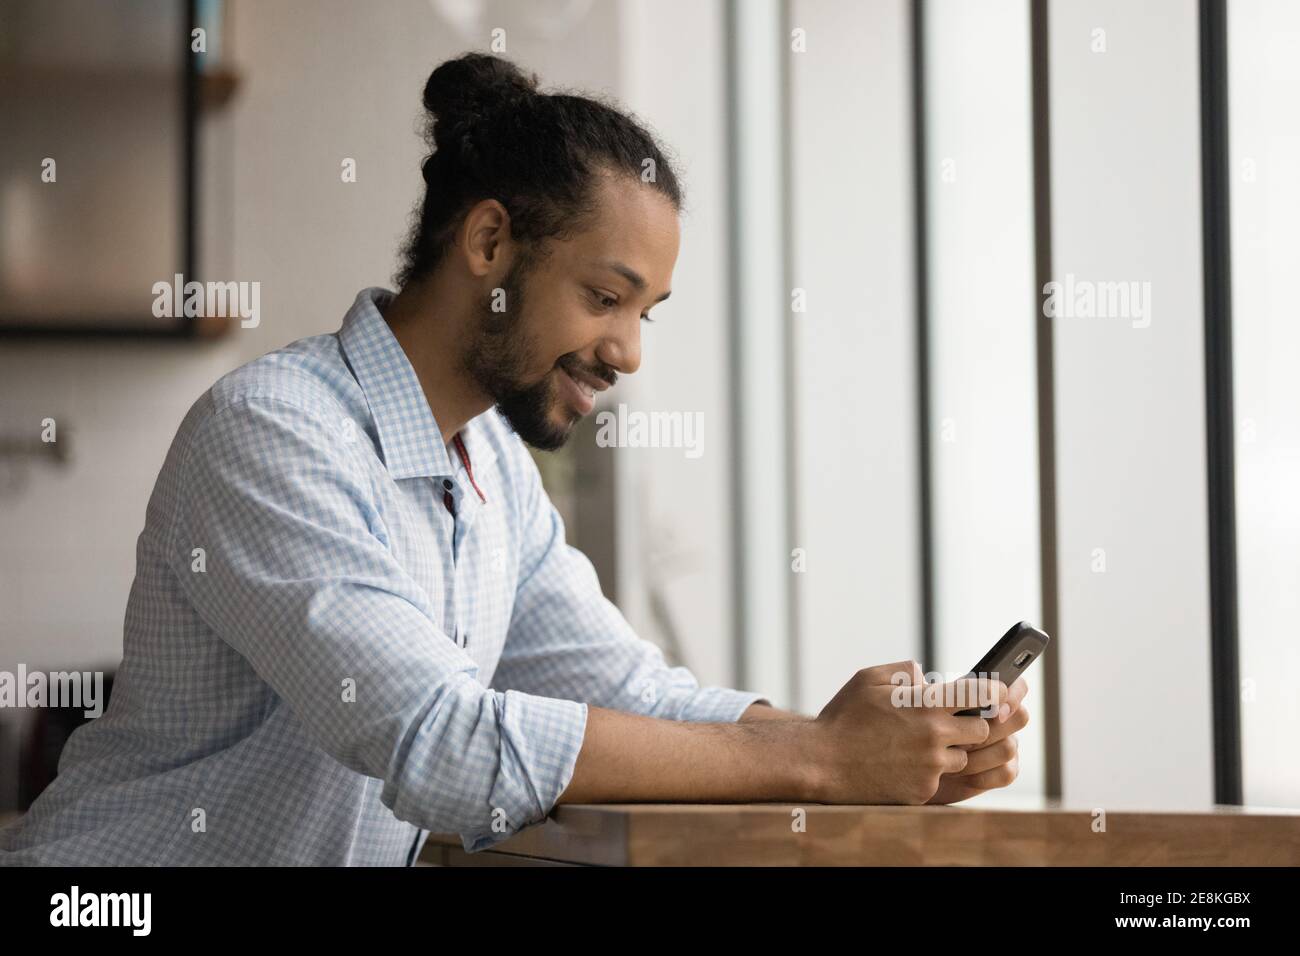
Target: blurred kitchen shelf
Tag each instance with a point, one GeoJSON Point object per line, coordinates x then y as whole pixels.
{"type": "Point", "coordinates": [217, 86]}
{"type": "Point", "coordinates": [207, 328]}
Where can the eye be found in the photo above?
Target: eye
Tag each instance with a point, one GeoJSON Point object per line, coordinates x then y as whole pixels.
{"type": "Point", "coordinates": [602, 300]}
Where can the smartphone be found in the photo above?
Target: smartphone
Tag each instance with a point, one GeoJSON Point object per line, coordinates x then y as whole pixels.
{"type": "Point", "coordinates": [1009, 657]}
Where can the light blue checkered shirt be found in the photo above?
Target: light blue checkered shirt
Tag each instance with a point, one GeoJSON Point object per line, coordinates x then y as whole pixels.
{"type": "Point", "coordinates": [321, 663]}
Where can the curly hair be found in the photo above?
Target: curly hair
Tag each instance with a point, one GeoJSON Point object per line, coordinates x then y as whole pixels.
{"type": "Point", "coordinates": [494, 135]}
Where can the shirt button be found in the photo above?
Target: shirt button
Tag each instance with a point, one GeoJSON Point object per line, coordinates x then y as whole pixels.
{"type": "Point", "coordinates": [446, 483]}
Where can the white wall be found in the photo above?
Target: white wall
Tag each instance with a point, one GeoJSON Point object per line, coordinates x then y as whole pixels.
{"type": "Point", "coordinates": [1134, 640]}
{"type": "Point", "coordinates": [1264, 143]}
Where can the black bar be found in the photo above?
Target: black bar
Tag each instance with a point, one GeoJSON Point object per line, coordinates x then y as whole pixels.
{"type": "Point", "coordinates": [330, 905]}
{"type": "Point", "coordinates": [921, 232]}
{"type": "Point", "coordinates": [1216, 239]}
{"type": "Point", "coordinates": [1046, 388]}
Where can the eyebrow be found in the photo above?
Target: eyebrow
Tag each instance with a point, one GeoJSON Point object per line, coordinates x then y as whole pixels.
{"type": "Point", "coordinates": [632, 276]}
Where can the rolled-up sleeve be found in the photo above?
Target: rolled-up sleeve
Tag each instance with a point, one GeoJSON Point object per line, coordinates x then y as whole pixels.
{"type": "Point", "coordinates": [280, 549]}
{"type": "Point", "coordinates": [566, 639]}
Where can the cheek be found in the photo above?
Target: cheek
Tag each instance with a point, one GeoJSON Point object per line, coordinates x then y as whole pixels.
{"type": "Point", "coordinates": [561, 334]}
{"type": "Point", "coordinates": [533, 349]}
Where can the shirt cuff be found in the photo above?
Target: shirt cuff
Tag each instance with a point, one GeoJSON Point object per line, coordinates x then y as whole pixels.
{"type": "Point", "coordinates": [540, 739]}
{"type": "Point", "coordinates": [719, 705]}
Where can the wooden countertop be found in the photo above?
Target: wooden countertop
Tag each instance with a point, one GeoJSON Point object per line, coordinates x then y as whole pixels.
{"type": "Point", "coordinates": [1024, 832]}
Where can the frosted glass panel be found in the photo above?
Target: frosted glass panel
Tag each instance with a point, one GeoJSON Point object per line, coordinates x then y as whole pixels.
{"type": "Point", "coordinates": [983, 367]}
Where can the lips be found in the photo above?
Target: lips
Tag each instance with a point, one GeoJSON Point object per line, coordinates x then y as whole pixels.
{"type": "Point", "coordinates": [580, 394]}
{"type": "Point", "coordinates": [585, 384]}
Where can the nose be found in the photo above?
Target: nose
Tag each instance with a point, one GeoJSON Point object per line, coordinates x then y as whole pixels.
{"type": "Point", "coordinates": [621, 349]}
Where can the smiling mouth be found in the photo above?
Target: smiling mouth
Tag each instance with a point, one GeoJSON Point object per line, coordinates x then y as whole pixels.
{"type": "Point", "coordinates": [589, 382]}
{"type": "Point", "coordinates": [580, 392]}
{"type": "Point", "coordinates": [583, 386]}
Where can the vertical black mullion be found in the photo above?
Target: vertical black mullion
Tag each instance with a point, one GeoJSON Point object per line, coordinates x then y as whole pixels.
{"type": "Point", "coordinates": [1216, 243]}
{"type": "Point", "coordinates": [921, 233]}
{"type": "Point", "coordinates": [1046, 391]}
{"type": "Point", "coordinates": [189, 153]}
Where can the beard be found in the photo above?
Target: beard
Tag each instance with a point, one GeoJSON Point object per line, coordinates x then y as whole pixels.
{"type": "Point", "coordinates": [499, 357]}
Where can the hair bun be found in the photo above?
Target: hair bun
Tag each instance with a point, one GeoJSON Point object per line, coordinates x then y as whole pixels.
{"type": "Point", "coordinates": [465, 92]}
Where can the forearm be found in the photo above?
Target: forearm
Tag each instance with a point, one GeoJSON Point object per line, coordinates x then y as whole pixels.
{"type": "Point", "coordinates": [626, 758]}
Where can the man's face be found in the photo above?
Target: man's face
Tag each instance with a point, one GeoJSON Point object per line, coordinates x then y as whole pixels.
{"type": "Point", "coordinates": [567, 325]}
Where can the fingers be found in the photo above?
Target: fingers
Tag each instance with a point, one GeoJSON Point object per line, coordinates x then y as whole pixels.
{"type": "Point", "coordinates": [900, 673]}
{"type": "Point", "coordinates": [991, 757]}
{"type": "Point", "coordinates": [968, 732]}
{"type": "Point", "coordinates": [1018, 720]}
{"type": "Point", "coordinates": [968, 693]}
{"type": "Point", "coordinates": [954, 761]}
{"type": "Point", "coordinates": [964, 694]}
{"type": "Point", "coordinates": [974, 692]}
{"type": "Point", "coordinates": [1016, 693]}
{"type": "Point", "coordinates": [1001, 729]}
{"type": "Point", "coordinates": [1000, 776]}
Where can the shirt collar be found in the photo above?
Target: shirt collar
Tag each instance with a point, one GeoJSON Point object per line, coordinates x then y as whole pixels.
{"type": "Point", "coordinates": [409, 437]}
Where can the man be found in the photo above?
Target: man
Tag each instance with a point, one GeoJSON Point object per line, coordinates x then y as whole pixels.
{"type": "Point", "coordinates": [355, 618]}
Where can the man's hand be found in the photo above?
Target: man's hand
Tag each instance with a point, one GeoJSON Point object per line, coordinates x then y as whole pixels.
{"type": "Point", "coordinates": [994, 763]}
{"type": "Point", "coordinates": [871, 747]}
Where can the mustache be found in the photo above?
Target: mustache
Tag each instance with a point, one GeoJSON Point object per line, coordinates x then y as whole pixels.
{"type": "Point", "coordinates": [570, 363]}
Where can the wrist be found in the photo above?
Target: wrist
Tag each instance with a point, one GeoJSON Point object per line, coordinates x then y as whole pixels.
{"type": "Point", "coordinates": [805, 760]}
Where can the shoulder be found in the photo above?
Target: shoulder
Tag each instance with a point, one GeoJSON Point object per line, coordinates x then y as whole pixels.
{"type": "Point", "coordinates": [299, 399]}
{"type": "Point", "coordinates": [311, 373]}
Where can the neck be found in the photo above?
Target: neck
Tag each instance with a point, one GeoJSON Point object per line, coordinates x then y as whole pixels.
{"type": "Point", "coordinates": [432, 332]}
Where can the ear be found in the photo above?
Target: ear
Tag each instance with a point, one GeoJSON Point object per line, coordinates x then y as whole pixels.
{"type": "Point", "coordinates": [483, 236]}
